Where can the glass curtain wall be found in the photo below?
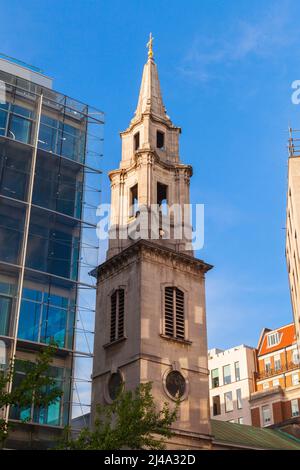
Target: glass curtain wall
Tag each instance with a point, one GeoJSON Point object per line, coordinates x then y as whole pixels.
{"type": "Point", "coordinates": [57, 301]}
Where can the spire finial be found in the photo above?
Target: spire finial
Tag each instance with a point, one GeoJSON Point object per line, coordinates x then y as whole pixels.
{"type": "Point", "coordinates": [150, 46]}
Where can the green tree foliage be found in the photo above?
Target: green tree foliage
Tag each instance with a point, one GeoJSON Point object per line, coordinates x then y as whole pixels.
{"type": "Point", "coordinates": [37, 386]}
{"type": "Point", "coordinates": [132, 421]}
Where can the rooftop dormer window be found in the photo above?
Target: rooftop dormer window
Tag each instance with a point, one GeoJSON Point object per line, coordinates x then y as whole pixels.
{"type": "Point", "coordinates": [160, 140]}
{"type": "Point", "coordinates": [273, 339]}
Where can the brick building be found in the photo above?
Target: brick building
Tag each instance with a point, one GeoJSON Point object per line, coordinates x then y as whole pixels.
{"type": "Point", "coordinates": [277, 395]}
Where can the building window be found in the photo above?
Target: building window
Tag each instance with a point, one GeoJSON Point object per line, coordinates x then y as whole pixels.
{"type": "Point", "coordinates": [266, 415]}
{"type": "Point", "coordinates": [61, 138]}
{"type": "Point", "coordinates": [215, 381]}
{"type": "Point", "coordinates": [162, 197]}
{"type": "Point", "coordinates": [53, 245]}
{"type": "Point", "coordinates": [48, 135]}
{"type": "Point", "coordinates": [273, 339]}
{"type": "Point", "coordinates": [133, 200]}
{"type": "Point", "coordinates": [115, 384]}
{"type": "Point", "coordinates": [277, 362]}
{"type": "Point", "coordinates": [295, 356]}
{"type": "Point", "coordinates": [216, 405]}
{"type": "Point", "coordinates": [267, 364]}
{"type": "Point", "coordinates": [276, 382]}
{"type": "Point", "coordinates": [226, 374]}
{"type": "Point", "coordinates": [19, 128]}
{"type": "Point", "coordinates": [3, 359]}
{"type": "Point", "coordinates": [5, 310]}
{"type": "Point", "coordinates": [237, 371]}
{"type": "Point", "coordinates": [58, 185]}
{"type": "Point", "coordinates": [265, 385]}
{"type": "Point", "coordinates": [228, 401]}
{"type": "Point", "coordinates": [239, 399]}
{"type": "Point", "coordinates": [55, 413]}
{"type": "Point", "coordinates": [14, 172]}
{"type": "Point", "coordinates": [117, 315]}
{"type": "Point", "coordinates": [295, 407]}
{"type": "Point", "coordinates": [46, 317]}
{"type": "Point", "coordinates": [3, 117]}
{"type": "Point", "coordinates": [12, 216]}
{"type": "Point", "coordinates": [136, 141]}
{"type": "Point", "coordinates": [295, 379]}
{"type": "Point", "coordinates": [175, 384]}
{"type": "Point", "coordinates": [174, 313]}
{"type": "Point", "coordinates": [241, 420]}
{"type": "Point", "coordinates": [160, 140]}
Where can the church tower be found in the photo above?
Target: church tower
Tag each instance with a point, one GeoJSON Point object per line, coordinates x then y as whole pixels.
{"type": "Point", "coordinates": [150, 313]}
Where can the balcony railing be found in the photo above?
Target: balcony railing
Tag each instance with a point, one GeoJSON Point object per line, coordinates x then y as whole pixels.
{"type": "Point", "coordinates": [271, 372]}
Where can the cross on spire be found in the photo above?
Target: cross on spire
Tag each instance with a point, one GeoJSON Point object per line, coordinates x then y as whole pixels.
{"type": "Point", "coordinates": [150, 46]}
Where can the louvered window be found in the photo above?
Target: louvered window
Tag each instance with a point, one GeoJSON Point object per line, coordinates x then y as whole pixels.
{"type": "Point", "coordinates": [174, 312]}
{"type": "Point", "coordinates": [117, 315]}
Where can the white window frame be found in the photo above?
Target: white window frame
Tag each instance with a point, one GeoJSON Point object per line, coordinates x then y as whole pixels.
{"type": "Point", "coordinates": [277, 359]}
{"type": "Point", "coordinates": [212, 378]}
{"type": "Point", "coordinates": [239, 400]}
{"type": "Point", "coordinates": [296, 403]}
{"type": "Point", "coordinates": [267, 364]}
{"type": "Point", "coordinates": [273, 339]}
{"type": "Point", "coordinates": [266, 407]}
{"type": "Point", "coordinates": [237, 367]}
{"type": "Point", "coordinates": [226, 409]}
{"type": "Point", "coordinates": [295, 353]}
{"type": "Point", "coordinates": [295, 379]}
{"type": "Point", "coordinates": [227, 383]}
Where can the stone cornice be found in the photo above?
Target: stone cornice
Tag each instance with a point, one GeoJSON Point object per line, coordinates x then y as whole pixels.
{"type": "Point", "coordinates": [154, 252]}
{"type": "Point", "coordinates": [148, 115]}
{"type": "Point", "coordinates": [155, 359]}
{"type": "Point", "coordinates": [152, 158]}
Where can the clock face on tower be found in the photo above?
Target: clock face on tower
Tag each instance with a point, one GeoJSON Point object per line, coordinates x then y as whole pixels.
{"type": "Point", "coordinates": [175, 384]}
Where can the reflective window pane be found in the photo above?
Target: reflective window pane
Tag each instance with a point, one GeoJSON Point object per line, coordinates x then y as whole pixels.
{"type": "Point", "coordinates": [5, 309]}
{"type": "Point", "coordinates": [48, 121]}
{"type": "Point", "coordinates": [45, 318]}
{"type": "Point", "coordinates": [30, 314]}
{"type": "Point", "coordinates": [54, 324]}
{"type": "Point", "coordinates": [16, 109]}
{"type": "Point", "coordinates": [53, 414]}
{"type": "Point", "coordinates": [3, 119]}
{"type": "Point", "coordinates": [50, 414]}
{"type": "Point", "coordinates": [72, 142]}
{"type": "Point", "coordinates": [53, 244]}
{"type": "Point", "coordinates": [47, 138]}
{"type": "Point", "coordinates": [58, 185]}
{"type": "Point", "coordinates": [11, 230]}
{"type": "Point", "coordinates": [14, 171]}
{"type": "Point", "coordinates": [19, 129]}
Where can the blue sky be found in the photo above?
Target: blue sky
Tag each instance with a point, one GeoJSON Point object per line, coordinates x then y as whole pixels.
{"type": "Point", "coordinates": [226, 69]}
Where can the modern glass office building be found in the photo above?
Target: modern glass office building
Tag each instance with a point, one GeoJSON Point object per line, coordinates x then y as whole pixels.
{"type": "Point", "coordinates": [50, 154]}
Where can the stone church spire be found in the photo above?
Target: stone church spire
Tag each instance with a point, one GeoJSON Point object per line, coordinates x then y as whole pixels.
{"type": "Point", "coordinates": [150, 99]}
{"type": "Point", "coordinates": [150, 314]}
{"type": "Point", "coordinates": [150, 172]}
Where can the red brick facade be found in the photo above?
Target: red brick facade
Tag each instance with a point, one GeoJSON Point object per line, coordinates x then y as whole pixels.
{"type": "Point", "coordinates": [282, 411]}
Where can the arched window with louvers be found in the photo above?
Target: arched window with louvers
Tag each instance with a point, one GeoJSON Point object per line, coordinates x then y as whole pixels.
{"type": "Point", "coordinates": [174, 313]}
{"type": "Point", "coordinates": [117, 315]}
